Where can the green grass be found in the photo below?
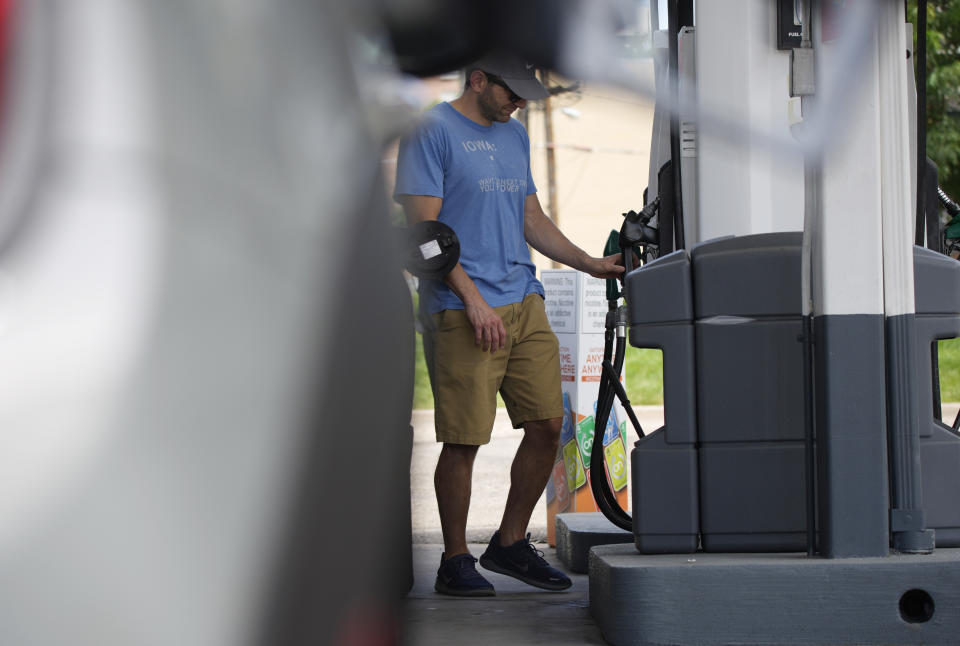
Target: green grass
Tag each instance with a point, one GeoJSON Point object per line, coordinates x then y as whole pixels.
{"type": "Point", "coordinates": [644, 369]}
{"type": "Point", "coordinates": [949, 360]}
{"type": "Point", "coordinates": [422, 396]}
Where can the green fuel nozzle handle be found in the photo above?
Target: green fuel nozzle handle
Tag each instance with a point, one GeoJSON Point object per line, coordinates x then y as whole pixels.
{"type": "Point", "coordinates": [612, 247]}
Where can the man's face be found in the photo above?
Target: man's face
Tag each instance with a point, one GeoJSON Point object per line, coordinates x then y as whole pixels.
{"type": "Point", "coordinates": [497, 103]}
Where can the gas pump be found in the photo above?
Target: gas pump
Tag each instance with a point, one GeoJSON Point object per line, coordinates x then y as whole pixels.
{"type": "Point", "coordinates": [797, 375]}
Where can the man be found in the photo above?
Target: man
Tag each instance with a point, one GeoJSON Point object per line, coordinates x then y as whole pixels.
{"type": "Point", "coordinates": [468, 165]}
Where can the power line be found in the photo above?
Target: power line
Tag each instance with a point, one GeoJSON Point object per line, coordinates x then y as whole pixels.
{"type": "Point", "coordinates": [592, 149]}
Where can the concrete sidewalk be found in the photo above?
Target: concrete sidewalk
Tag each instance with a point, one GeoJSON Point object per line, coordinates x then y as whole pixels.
{"type": "Point", "coordinates": [491, 477]}
{"type": "Point", "coordinates": [518, 614]}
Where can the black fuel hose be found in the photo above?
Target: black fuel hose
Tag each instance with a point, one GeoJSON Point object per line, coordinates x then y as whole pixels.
{"type": "Point", "coordinates": [603, 495]}
{"type": "Point", "coordinates": [621, 392]}
{"type": "Point", "coordinates": [610, 387]}
{"type": "Point", "coordinates": [634, 231]}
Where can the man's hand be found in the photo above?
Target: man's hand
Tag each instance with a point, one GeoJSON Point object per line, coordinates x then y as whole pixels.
{"type": "Point", "coordinates": [490, 334]}
{"type": "Point", "coordinates": [607, 267]}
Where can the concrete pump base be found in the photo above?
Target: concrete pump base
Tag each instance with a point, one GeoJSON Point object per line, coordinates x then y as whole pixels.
{"type": "Point", "coordinates": [578, 532]}
{"type": "Point", "coordinates": [765, 599]}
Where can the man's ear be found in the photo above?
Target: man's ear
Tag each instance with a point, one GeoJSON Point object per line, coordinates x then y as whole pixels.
{"type": "Point", "coordinates": [478, 80]}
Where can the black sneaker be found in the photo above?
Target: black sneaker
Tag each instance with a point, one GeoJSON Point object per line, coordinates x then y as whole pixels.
{"type": "Point", "coordinates": [525, 562]}
{"type": "Point", "coordinates": [458, 576]}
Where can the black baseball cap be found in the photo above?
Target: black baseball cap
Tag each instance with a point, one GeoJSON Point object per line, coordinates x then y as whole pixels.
{"type": "Point", "coordinates": [519, 75]}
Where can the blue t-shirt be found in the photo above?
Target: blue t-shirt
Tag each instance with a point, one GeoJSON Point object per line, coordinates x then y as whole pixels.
{"type": "Point", "coordinates": [482, 173]}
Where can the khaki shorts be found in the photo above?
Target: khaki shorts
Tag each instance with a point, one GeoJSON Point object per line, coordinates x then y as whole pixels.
{"type": "Point", "coordinates": [465, 379]}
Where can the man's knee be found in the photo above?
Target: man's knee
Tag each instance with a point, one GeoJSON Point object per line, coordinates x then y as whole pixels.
{"type": "Point", "coordinates": [544, 431]}
{"type": "Point", "coordinates": [459, 452]}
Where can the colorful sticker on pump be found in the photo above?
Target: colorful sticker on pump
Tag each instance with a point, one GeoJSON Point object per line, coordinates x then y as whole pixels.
{"type": "Point", "coordinates": [610, 432]}
{"type": "Point", "coordinates": [585, 438]}
{"type": "Point", "coordinates": [558, 481]}
{"type": "Point", "coordinates": [566, 430]}
{"type": "Point", "coordinates": [621, 423]}
{"type": "Point", "coordinates": [574, 466]}
{"type": "Point", "coordinates": [616, 459]}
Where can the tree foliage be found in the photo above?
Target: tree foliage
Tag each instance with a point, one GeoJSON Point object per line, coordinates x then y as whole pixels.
{"type": "Point", "coordinates": [943, 88]}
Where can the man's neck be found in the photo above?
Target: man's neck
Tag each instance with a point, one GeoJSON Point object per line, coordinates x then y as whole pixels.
{"type": "Point", "coordinates": [467, 106]}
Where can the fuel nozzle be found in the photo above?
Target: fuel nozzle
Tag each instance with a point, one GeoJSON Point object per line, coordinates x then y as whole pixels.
{"type": "Point", "coordinates": [639, 229]}
{"type": "Point", "coordinates": [951, 232]}
{"type": "Point", "coordinates": [952, 208]}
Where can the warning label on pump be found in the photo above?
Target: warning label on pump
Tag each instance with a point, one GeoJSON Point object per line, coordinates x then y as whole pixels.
{"type": "Point", "coordinates": [576, 303]}
{"type": "Point", "coordinates": [593, 315]}
{"type": "Point", "coordinates": [560, 288]}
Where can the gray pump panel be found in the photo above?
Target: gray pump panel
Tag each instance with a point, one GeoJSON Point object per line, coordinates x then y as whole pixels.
{"type": "Point", "coordinates": [937, 289]}
{"type": "Point", "coordinates": [664, 463]}
{"type": "Point", "coordinates": [750, 393]}
{"type": "Point", "coordinates": [728, 463]}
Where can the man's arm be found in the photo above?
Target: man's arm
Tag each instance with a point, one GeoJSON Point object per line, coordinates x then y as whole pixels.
{"type": "Point", "coordinates": [544, 236]}
{"type": "Point", "coordinates": [489, 332]}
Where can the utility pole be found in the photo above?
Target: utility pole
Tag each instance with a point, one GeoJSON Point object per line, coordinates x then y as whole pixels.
{"type": "Point", "coordinates": [551, 158]}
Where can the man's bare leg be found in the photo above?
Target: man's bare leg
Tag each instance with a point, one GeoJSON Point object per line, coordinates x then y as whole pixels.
{"type": "Point", "coordinates": [528, 476]}
{"type": "Point", "coordinates": [452, 481]}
